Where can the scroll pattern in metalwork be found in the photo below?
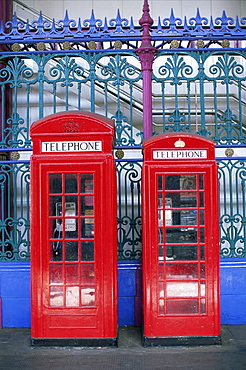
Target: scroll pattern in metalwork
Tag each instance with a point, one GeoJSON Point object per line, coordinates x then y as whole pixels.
{"type": "Point", "coordinates": [129, 210]}
{"type": "Point", "coordinates": [232, 175]}
{"type": "Point", "coordinates": [14, 224]}
{"type": "Point", "coordinates": [101, 83]}
{"type": "Point", "coordinates": [201, 92]}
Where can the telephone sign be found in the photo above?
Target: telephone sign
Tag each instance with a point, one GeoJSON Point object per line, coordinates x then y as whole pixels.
{"type": "Point", "coordinates": [73, 231]}
{"type": "Point", "coordinates": [180, 241]}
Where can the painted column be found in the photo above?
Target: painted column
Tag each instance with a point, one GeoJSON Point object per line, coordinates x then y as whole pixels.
{"type": "Point", "coordinates": [146, 54]}
{"type": "Point", "coordinates": [6, 14]}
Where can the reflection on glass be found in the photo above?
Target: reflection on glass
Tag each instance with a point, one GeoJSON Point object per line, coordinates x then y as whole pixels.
{"type": "Point", "coordinates": [203, 288]}
{"type": "Point", "coordinates": [56, 274]}
{"type": "Point", "coordinates": [161, 289]}
{"type": "Point", "coordinates": [72, 274]}
{"type": "Point", "coordinates": [87, 250]}
{"type": "Point", "coordinates": [56, 296]}
{"type": "Point", "coordinates": [182, 288]}
{"type": "Point", "coordinates": [71, 250]}
{"type": "Point", "coordinates": [181, 253]}
{"type": "Point", "coordinates": [182, 306]}
{"type": "Point", "coordinates": [86, 183]}
{"type": "Point", "coordinates": [87, 228]}
{"type": "Point", "coordinates": [188, 199]}
{"type": "Point", "coordinates": [55, 183]}
{"type": "Point", "coordinates": [160, 200]}
{"type": "Point", "coordinates": [161, 307]}
{"type": "Point", "coordinates": [181, 271]}
{"type": "Point", "coordinates": [88, 296]}
{"type": "Point", "coordinates": [72, 296]}
{"type": "Point", "coordinates": [159, 182]}
{"type": "Point", "coordinates": [181, 235]}
{"type": "Point", "coordinates": [71, 183]}
{"type": "Point", "coordinates": [88, 274]}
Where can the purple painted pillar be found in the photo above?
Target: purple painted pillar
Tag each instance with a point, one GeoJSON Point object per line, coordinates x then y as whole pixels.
{"type": "Point", "coordinates": [6, 14]}
{"type": "Point", "coordinates": [146, 54]}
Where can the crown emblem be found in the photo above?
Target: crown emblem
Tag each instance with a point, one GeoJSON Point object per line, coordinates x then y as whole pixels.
{"type": "Point", "coordinates": [71, 127]}
{"type": "Point", "coordinates": [179, 144]}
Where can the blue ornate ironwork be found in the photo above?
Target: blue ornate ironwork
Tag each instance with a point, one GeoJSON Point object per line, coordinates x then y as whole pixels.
{"type": "Point", "coordinates": [188, 78]}
{"type": "Point", "coordinates": [232, 174]}
{"type": "Point", "coordinates": [15, 223]}
{"type": "Point", "coordinates": [81, 32]}
{"type": "Point", "coordinates": [129, 210]}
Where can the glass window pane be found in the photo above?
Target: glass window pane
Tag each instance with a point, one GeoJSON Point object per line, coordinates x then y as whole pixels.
{"type": "Point", "coordinates": [87, 204]}
{"type": "Point", "coordinates": [87, 250]}
{"type": "Point", "coordinates": [86, 183]}
{"type": "Point", "coordinates": [182, 253]}
{"type": "Point", "coordinates": [172, 182]}
{"type": "Point", "coordinates": [56, 250]}
{"type": "Point", "coordinates": [87, 228]}
{"type": "Point", "coordinates": [88, 296]}
{"type": "Point", "coordinates": [71, 250]}
{"type": "Point", "coordinates": [56, 274]}
{"type": "Point", "coordinates": [182, 288]}
{"type": "Point", "coordinates": [203, 305]}
{"type": "Point", "coordinates": [201, 199]}
{"type": "Point", "coordinates": [161, 271]}
{"type": "Point", "coordinates": [188, 182]}
{"type": "Point", "coordinates": [184, 217]}
{"type": "Point", "coordinates": [55, 206]}
{"type": "Point", "coordinates": [201, 181]}
{"type": "Point", "coordinates": [182, 306]}
{"type": "Point", "coordinates": [181, 235]}
{"type": "Point", "coordinates": [202, 270]}
{"type": "Point", "coordinates": [181, 271]}
{"type": "Point", "coordinates": [55, 183]}
{"type": "Point", "coordinates": [56, 296]}
{"type": "Point", "coordinates": [202, 252]}
{"type": "Point", "coordinates": [88, 274]}
{"type": "Point", "coordinates": [72, 276]}
{"type": "Point", "coordinates": [160, 182]}
{"type": "Point", "coordinates": [203, 288]}
{"type": "Point", "coordinates": [71, 183]}
{"type": "Point", "coordinates": [72, 296]}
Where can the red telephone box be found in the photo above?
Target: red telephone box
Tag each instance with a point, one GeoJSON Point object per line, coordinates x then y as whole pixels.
{"type": "Point", "coordinates": [73, 231]}
{"type": "Point", "coordinates": [180, 241]}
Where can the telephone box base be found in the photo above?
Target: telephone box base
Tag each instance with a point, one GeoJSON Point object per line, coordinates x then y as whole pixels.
{"type": "Point", "coordinates": [181, 341]}
{"type": "Point", "coordinates": [74, 342]}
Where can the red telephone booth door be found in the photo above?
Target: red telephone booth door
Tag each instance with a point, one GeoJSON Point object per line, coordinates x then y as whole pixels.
{"type": "Point", "coordinates": [74, 250]}
{"type": "Point", "coordinates": [181, 254]}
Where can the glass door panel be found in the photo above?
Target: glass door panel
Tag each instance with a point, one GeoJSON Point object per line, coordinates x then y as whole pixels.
{"type": "Point", "coordinates": [71, 220]}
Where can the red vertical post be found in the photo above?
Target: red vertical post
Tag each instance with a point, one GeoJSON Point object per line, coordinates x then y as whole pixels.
{"type": "Point", "coordinates": [146, 54]}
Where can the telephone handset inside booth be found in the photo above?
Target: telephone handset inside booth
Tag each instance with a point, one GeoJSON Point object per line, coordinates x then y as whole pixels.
{"type": "Point", "coordinates": [70, 210]}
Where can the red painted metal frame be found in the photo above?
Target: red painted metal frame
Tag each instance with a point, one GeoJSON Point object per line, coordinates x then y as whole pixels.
{"type": "Point", "coordinates": [170, 326]}
{"type": "Point", "coordinates": [51, 324]}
